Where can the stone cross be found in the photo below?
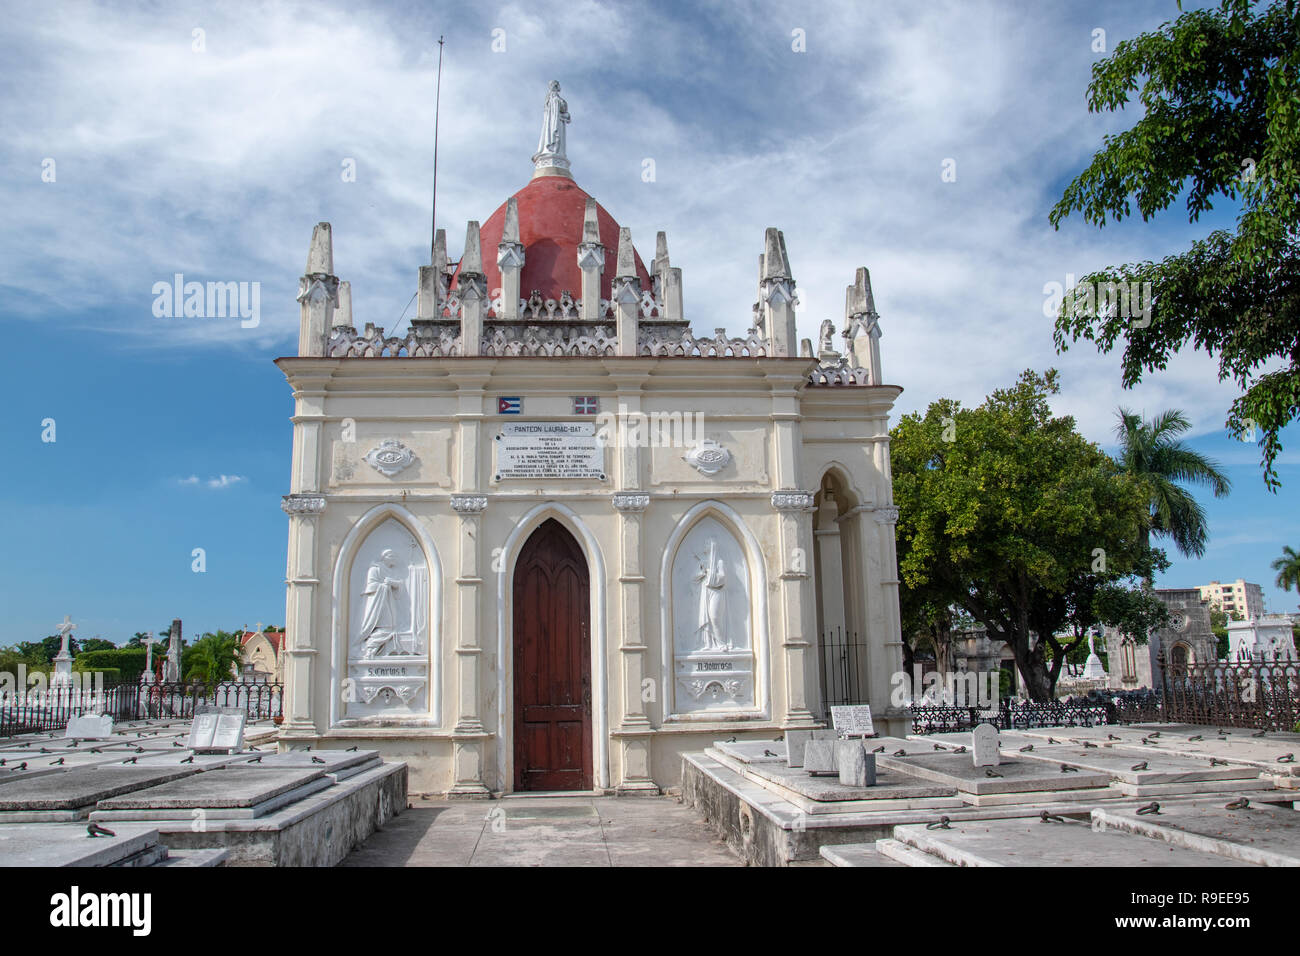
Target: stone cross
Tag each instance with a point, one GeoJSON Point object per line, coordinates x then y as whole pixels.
{"type": "Point", "coordinates": [147, 676]}
{"type": "Point", "coordinates": [65, 631]}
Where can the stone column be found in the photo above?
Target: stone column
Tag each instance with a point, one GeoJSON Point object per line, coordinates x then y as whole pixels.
{"type": "Point", "coordinates": [668, 282]}
{"type": "Point", "coordinates": [884, 640]}
{"type": "Point", "coordinates": [303, 510]}
{"type": "Point", "coordinates": [776, 295]}
{"type": "Point", "coordinates": [318, 291]}
{"type": "Point", "coordinates": [626, 295]}
{"type": "Point", "coordinates": [798, 609]}
{"type": "Point", "coordinates": [469, 734]}
{"type": "Point", "coordinates": [473, 293]}
{"type": "Point", "coordinates": [591, 260]}
{"type": "Point", "coordinates": [510, 260]}
{"type": "Point", "coordinates": [634, 732]}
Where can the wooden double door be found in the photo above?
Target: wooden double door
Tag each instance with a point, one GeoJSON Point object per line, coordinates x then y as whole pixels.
{"type": "Point", "coordinates": [552, 663]}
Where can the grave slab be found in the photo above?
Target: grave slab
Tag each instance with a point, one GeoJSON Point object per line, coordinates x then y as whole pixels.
{"type": "Point", "coordinates": [1014, 775]}
{"type": "Point", "coordinates": [339, 764]}
{"type": "Point", "coordinates": [1257, 834]}
{"type": "Point", "coordinates": [1120, 764]}
{"type": "Point", "coordinates": [746, 751]}
{"type": "Point", "coordinates": [71, 790]}
{"type": "Point", "coordinates": [67, 844]}
{"type": "Point", "coordinates": [1031, 842]}
{"type": "Point", "coordinates": [225, 788]}
{"type": "Point", "coordinates": [893, 789]}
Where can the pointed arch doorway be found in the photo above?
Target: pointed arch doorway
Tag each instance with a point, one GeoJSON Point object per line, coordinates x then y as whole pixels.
{"type": "Point", "coordinates": [552, 663]}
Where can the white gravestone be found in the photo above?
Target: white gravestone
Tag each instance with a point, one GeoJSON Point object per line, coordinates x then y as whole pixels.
{"type": "Point", "coordinates": [796, 740]}
{"type": "Point", "coordinates": [984, 744]}
{"type": "Point", "coordinates": [90, 727]}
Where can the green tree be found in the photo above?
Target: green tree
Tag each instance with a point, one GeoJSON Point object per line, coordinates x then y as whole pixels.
{"type": "Point", "coordinates": [95, 644]}
{"type": "Point", "coordinates": [1288, 569]}
{"type": "Point", "coordinates": [1220, 91]}
{"type": "Point", "coordinates": [1007, 513]}
{"type": "Point", "coordinates": [1152, 452]}
{"type": "Point", "coordinates": [214, 658]}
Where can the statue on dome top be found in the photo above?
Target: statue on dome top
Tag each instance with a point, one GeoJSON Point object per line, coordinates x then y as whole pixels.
{"type": "Point", "coordinates": [551, 145]}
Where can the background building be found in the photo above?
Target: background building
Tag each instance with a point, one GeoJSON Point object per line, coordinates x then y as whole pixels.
{"type": "Point", "coordinates": [1235, 598]}
{"type": "Point", "coordinates": [1188, 639]}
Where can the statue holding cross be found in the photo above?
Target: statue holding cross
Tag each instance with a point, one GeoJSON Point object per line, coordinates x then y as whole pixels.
{"type": "Point", "coordinates": [63, 660]}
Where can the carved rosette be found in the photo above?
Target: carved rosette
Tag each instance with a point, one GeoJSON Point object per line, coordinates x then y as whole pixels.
{"type": "Point", "coordinates": [469, 504]}
{"type": "Point", "coordinates": [300, 504]}
{"type": "Point", "coordinates": [389, 457]}
{"type": "Point", "coordinates": [631, 502]}
{"type": "Point", "coordinates": [887, 514]}
{"type": "Point", "coordinates": [708, 457]}
{"type": "Point", "coordinates": [793, 500]}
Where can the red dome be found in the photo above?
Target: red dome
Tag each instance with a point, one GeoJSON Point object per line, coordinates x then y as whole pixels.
{"type": "Point", "coordinates": [551, 212]}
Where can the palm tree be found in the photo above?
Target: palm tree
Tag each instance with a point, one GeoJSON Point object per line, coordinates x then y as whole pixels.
{"type": "Point", "coordinates": [215, 658]}
{"type": "Point", "coordinates": [1152, 452]}
{"type": "Point", "coordinates": [1288, 569]}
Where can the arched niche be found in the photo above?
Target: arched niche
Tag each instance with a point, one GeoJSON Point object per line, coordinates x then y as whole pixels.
{"type": "Point", "coordinates": [386, 618]}
{"type": "Point", "coordinates": [715, 639]}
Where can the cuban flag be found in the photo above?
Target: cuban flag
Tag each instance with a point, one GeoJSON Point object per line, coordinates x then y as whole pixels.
{"type": "Point", "coordinates": [510, 406]}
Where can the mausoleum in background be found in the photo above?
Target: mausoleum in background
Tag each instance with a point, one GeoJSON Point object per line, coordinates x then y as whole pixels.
{"type": "Point", "coordinates": [552, 537]}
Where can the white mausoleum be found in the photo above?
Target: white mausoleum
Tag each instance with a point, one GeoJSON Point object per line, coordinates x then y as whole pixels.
{"type": "Point", "coordinates": [553, 536]}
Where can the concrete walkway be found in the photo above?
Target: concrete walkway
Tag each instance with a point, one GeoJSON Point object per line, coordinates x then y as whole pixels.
{"type": "Point", "coordinates": [545, 831]}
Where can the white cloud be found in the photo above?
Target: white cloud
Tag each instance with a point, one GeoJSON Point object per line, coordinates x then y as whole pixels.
{"type": "Point", "coordinates": [217, 164]}
{"type": "Point", "coordinates": [220, 481]}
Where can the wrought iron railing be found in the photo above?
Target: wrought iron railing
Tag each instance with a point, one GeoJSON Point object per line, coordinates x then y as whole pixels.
{"type": "Point", "coordinates": [841, 666]}
{"type": "Point", "coordinates": [1009, 715]}
{"type": "Point", "coordinates": [1264, 695]}
{"type": "Point", "coordinates": [51, 708]}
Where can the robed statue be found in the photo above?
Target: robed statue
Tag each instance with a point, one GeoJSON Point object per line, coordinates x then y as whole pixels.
{"type": "Point", "coordinates": [712, 578]}
{"type": "Point", "coordinates": [554, 117]}
{"type": "Point", "coordinates": [379, 622]}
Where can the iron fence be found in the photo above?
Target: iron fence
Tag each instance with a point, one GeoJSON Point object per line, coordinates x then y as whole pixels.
{"type": "Point", "coordinates": [51, 708]}
{"type": "Point", "coordinates": [1264, 695]}
{"type": "Point", "coordinates": [841, 669]}
{"type": "Point", "coordinates": [1009, 715]}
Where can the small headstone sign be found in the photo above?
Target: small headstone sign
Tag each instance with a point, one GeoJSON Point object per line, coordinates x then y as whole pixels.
{"type": "Point", "coordinates": [819, 757]}
{"type": "Point", "coordinates": [984, 741]}
{"type": "Point", "coordinates": [853, 721]}
{"type": "Point", "coordinates": [90, 727]}
{"type": "Point", "coordinates": [857, 767]}
{"type": "Point", "coordinates": [217, 728]}
{"type": "Point", "coordinates": [796, 740]}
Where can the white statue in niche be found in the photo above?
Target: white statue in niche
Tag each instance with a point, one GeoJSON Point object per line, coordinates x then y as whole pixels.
{"type": "Point", "coordinates": [712, 626]}
{"type": "Point", "coordinates": [712, 579]}
{"type": "Point", "coordinates": [379, 622]}
{"type": "Point", "coordinates": [389, 626]}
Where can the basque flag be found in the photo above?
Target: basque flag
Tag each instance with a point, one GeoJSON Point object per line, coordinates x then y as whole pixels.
{"type": "Point", "coordinates": [510, 406]}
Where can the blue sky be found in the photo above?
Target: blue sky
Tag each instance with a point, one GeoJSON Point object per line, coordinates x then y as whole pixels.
{"type": "Point", "coordinates": [216, 162]}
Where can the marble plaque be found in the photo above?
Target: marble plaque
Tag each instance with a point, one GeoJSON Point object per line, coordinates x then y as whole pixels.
{"type": "Point", "coordinates": [202, 731]}
{"type": "Point", "coordinates": [532, 450]}
{"type": "Point", "coordinates": [853, 721]}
